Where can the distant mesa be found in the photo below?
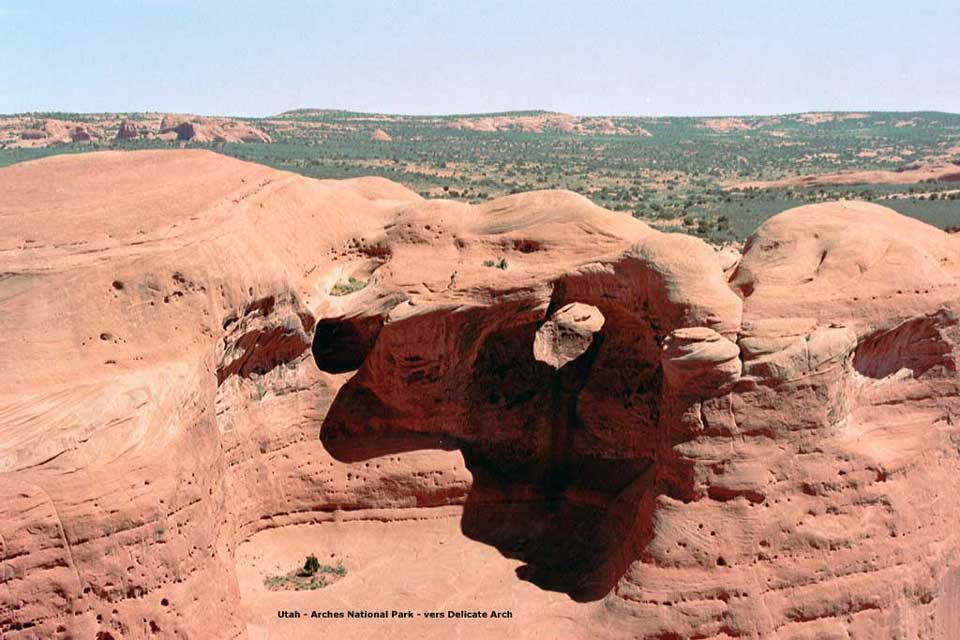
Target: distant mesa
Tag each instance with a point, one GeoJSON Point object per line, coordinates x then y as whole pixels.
{"type": "Point", "coordinates": [547, 122]}
{"type": "Point", "coordinates": [722, 125]}
{"type": "Point", "coordinates": [732, 124]}
{"type": "Point", "coordinates": [199, 129]}
{"type": "Point", "coordinates": [815, 118]}
{"type": "Point", "coordinates": [26, 131]}
{"type": "Point", "coordinates": [931, 170]}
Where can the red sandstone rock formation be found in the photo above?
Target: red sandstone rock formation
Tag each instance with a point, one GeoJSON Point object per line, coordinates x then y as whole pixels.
{"type": "Point", "coordinates": [198, 129]}
{"type": "Point", "coordinates": [678, 452]}
{"type": "Point", "coordinates": [26, 131]}
{"type": "Point", "coordinates": [381, 136]}
{"type": "Point", "coordinates": [567, 334]}
{"type": "Point", "coordinates": [127, 131]}
{"type": "Point", "coordinates": [80, 134]}
{"type": "Point", "coordinates": [542, 122]}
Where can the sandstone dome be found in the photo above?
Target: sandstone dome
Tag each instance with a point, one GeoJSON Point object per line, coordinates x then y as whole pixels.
{"type": "Point", "coordinates": [210, 367]}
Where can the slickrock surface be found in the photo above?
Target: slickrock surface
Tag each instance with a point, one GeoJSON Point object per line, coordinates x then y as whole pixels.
{"type": "Point", "coordinates": [211, 369]}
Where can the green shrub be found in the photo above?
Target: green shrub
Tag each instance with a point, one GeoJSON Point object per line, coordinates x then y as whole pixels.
{"type": "Point", "coordinates": [352, 285]}
{"type": "Point", "coordinates": [312, 575]}
{"type": "Point", "coordinates": [311, 566]}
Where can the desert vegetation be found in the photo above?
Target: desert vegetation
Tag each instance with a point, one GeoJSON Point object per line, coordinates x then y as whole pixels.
{"type": "Point", "coordinates": [312, 575]}
{"type": "Point", "coordinates": [499, 263]}
{"type": "Point", "coordinates": [348, 286]}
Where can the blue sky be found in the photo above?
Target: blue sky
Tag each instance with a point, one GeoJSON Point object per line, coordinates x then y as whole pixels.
{"type": "Point", "coordinates": [669, 57]}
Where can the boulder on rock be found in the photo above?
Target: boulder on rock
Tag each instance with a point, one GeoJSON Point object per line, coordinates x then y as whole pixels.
{"type": "Point", "coordinates": [567, 334]}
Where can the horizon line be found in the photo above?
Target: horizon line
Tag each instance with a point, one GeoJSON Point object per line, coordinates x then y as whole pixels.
{"type": "Point", "coordinates": [474, 114]}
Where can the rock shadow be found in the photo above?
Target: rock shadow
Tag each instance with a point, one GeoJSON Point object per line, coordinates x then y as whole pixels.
{"type": "Point", "coordinates": [574, 519]}
{"type": "Point", "coordinates": [576, 540]}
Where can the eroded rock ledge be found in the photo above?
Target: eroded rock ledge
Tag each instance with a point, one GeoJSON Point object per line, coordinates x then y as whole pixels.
{"type": "Point", "coordinates": [768, 452]}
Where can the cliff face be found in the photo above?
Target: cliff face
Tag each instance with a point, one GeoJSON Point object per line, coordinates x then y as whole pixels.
{"type": "Point", "coordinates": [197, 349]}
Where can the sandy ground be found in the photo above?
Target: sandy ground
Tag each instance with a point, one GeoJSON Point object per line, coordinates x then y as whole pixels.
{"type": "Point", "coordinates": [418, 566]}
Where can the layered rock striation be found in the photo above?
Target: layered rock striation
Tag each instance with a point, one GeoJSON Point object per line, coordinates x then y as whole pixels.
{"type": "Point", "coordinates": [702, 448]}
